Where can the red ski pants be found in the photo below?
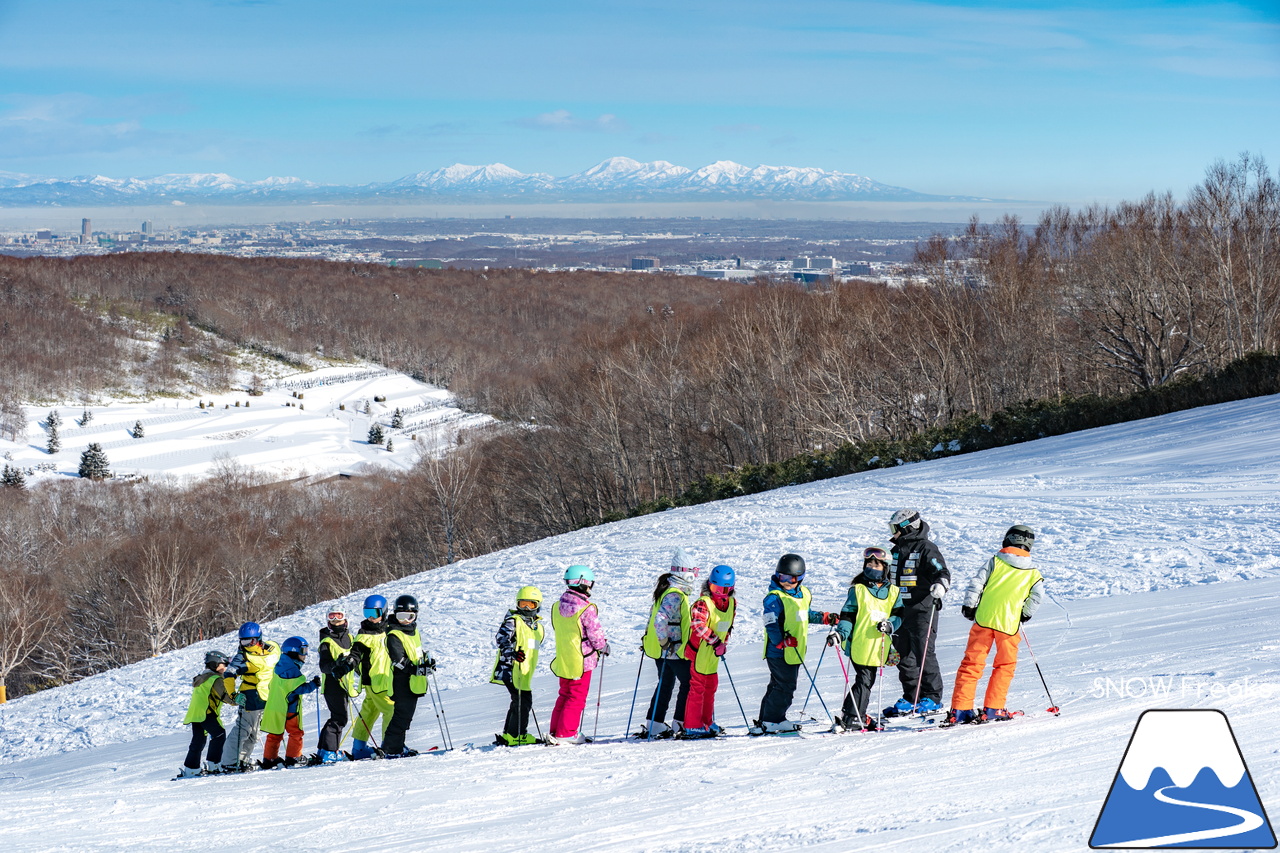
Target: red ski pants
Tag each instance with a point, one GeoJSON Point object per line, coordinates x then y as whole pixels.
{"type": "Point", "coordinates": [271, 747]}
{"type": "Point", "coordinates": [566, 716]}
{"type": "Point", "coordinates": [975, 660]}
{"type": "Point", "coordinates": [700, 707]}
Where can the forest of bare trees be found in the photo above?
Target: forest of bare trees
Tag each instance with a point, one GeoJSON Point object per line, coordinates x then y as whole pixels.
{"type": "Point", "coordinates": [614, 390]}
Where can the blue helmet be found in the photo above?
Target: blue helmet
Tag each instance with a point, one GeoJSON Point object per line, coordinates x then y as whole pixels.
{"type": "Point", "coordinates": [294, 646]}
{"type": "Point", "coordinates": [574, 575]}
{"type": "Point", "coordinates": [250, 630]}
{"type": "Point", "coordinates": [375, 603]}
{"type": "Point", "coordinates": [723, 576]}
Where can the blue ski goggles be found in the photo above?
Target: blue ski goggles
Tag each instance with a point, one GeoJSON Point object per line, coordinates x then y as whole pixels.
{"type": "Point", "coordinates": [372, 613]}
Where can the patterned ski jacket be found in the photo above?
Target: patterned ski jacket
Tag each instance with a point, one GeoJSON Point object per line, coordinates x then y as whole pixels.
{"type": "Point", "coordinates": [593, 638]}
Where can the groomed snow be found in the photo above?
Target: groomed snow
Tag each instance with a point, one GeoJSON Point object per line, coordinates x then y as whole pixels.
{"type": "Point", "coordinates": [1158, 540]}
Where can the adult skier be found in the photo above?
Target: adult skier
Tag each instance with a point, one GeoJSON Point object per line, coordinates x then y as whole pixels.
{"type": "Point", "coordinates": [867, 621]}
{"type": "Point", "coordinates": [339, 684]}
{"type": "Point", "coordinates": [665, 636]}
{"type": "Point", "coordinates": [1004, 593]}
{"type": "Point", "coordinates": [409, 670]}
{"type": "Point", "coordinates": [921, 573]}
{"type": "Point", "coordinates": [787, 618]}
{"type": "Point", "coordinates": [580, 643]}
{"type": "Point", "coordinates": [254, 664]}
{"type": "Point", "coordinates": [375, 676]}
{"type": "Point", "coordinates": [712, 623]}
{"type": "Point", "coordinates": [284, 705]}
{"type": "Point", "coordinates": [208, 693]}
{"type": "Point", "coordinates": [518, 638]}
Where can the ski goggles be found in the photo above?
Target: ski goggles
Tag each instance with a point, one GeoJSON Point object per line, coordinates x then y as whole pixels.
{"type": "Point", "coordinates": [789, 578]}
{"type": "Point", "coordinates": [526, 604]}
{"type": "Point", "coordinates": [337, 616]}
{"type": "Point", "coordinates": [245, 642]}
{"type": "Point", "coordinates": [716, 589]}
{"type": "Point", "coordinates": [372, 613]}
{"type": "Point", "coordinates": [685, 570]}
{"type": "Point", "coordinates": [874, 553]}
{"type": "Point", "coordinates": [405, 615]}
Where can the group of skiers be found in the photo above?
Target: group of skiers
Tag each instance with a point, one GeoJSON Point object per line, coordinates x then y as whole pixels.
{"type": "Point", "coordinates": [889, 616]}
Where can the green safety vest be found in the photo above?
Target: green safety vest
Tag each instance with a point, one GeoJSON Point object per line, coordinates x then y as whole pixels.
{"type": "Point", "coordinates": [379, 661]}
{"type": "Point", "coordinates": [719, 621]}
{"type": "Point", "coordinates": [413, 651]}
{"type": "Point", "coordinates": [260, 669]}
{"type": "Point", "coordinates": [652, 647]}
{"type": "Point", "coordinates": [866, 645]}
{"type": "Point", "coordinates": [795, 621]}
{"type": "Point", "coordinates": [277, 709]}
{"type": "Point", "coordinates": [522, 671]}
{"type": "Point", "coordinates": [1000, 607]}
{"type": "Point", "coordinates": [347, 681]}
{"type": "Point", "coordinates": [568, 662]}
{"type": "Point", "coordinates": [202, 703]}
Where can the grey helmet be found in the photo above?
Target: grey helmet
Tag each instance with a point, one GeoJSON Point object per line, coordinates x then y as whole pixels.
{"type": "Point", "coordinates": [1019, 536]}
{"type": "Point", "coordinates": [902, 521]}
{"type": "Point", "coordinates": [214, 658]}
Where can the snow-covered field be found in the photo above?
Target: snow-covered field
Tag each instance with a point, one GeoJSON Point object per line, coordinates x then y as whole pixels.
{"type": "Point", "coordinates": [324, 430]}
{"type": "Point", "coordinates": [1160, 541]}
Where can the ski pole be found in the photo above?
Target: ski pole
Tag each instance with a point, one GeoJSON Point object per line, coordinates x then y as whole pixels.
{"type": "Point", "coordinates": [662, 673]}
{"type": "Point", "coordinates": [816, 670]}
{"type": "Point", "coordinates": [1053, 708]}
{"type": "Point", "coordinates": [535, 718]}
{"type": "Point", "coordinates": [636, 692]}
{"type": "Point", "coordinates": [432, 683]}
{"type": "Point", "coordinates": [884, 656]}
{"type": "Point", "coordinates": [924, 656]}
{"type": "Point", "coordinates": [843, 668]}
{"type": "Point", "coordinates": [595, 731]}
{"type": "Point", "coordinates": [725, 660]}
{"type": "Point", "coordinates": [824, 704]}
{"type": "Point", "coordinates": [435, 706]}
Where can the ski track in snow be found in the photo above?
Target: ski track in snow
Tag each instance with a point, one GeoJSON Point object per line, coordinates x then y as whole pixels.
{"type": "Point", "coordinates": [1140, 526]}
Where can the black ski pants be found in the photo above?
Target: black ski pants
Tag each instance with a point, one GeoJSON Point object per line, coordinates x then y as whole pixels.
{"type": "Point", "coordinates": [517, 722]}
{"type": "Point", "coordinates": [402, 717]}
{"type": "Point", "coordinates": [858, 699]}
{"type": "Point", "coordinates": [910, 641]}
{"type": "Point", "coordinates": [336, 698]}
{"type": "Point", "coordinates": [781, 690]}
{"type": "Point", "coordinates": [211, 729]}
{"type": "Point", "coordinates": [670, 671]}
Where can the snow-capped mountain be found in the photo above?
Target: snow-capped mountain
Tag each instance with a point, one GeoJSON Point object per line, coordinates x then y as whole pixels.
{"type": "Point", "coordinates": [612, 180]}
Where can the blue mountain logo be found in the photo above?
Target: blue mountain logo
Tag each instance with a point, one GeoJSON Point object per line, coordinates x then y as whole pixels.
{"type": "Point", "coordinates": [1183, 783]}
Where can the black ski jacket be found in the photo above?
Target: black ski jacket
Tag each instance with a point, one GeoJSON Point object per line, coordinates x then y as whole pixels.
{"type": "Point", "coordinates": [918, 565]}
{"type": "Point", "coordinates": [341, 636]}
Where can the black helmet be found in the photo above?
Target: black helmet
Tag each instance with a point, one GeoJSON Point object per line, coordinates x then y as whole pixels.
{"type": "Point", "coordinates": [1019, 536]}
{"type": "Point", "coordinates": [791, 564]}
{"type": "Point", "coordinates": [214, 658]}
{"type": "Point", "coordinates": [405, 603]}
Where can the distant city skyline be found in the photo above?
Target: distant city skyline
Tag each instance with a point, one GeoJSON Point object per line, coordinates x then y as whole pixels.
{"type": "Point", "coordinates": [1027, 100]}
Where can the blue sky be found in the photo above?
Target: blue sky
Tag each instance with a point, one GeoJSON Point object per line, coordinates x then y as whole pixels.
{"type": "Point", "coordinates": [1032, 100]}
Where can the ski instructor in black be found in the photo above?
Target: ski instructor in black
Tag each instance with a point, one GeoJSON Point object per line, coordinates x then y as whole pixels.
{"type": "Point", "coordinates": [920, 571]}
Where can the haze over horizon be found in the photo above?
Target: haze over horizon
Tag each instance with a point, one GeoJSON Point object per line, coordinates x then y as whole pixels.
{"type": "Point", "coordinates": [1022, 100]}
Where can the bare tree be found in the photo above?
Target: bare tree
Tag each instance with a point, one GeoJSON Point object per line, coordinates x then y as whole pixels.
{"type": "Point", "coordinates": [25, 620]}
{"type": "Point", "coordinates": [167, 587]}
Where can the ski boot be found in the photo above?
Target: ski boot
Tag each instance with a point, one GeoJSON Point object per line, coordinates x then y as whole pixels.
{"type": "Point", "coordinates": [360, 749]}
{"type": "Point", "coordinates": [655, 731]}
{"type": "Point", "coordinates": [698, 734]}
{"type": "Point", "coordinates": [998, 715]}
{"type": "Point", "coordinates": [212, 769]}
{"type": "Point", "coordinates": [928, 707]}
{"type": "Point", "coordinates": [524, 740]}
{"type": "Point", "coordinates": [901, 708]}
{"type": "Point", "coordinates": [959, 718]}
{"type": "Point", "coordinates": [186, 772]}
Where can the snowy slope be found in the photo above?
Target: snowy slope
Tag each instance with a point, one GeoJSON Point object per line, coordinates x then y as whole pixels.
{"type": "Point", "coordinates": [1140, 526]}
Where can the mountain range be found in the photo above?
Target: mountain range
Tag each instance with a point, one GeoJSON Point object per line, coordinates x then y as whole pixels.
{"type": "Point", "coordinates": [617, 179]}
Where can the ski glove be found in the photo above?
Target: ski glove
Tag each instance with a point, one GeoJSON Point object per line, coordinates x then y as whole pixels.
{"type": "Point", "coordinates": [519, 656]}
{"type": "Point", "coordinates": [605, 651]}
{"type": "Point", "coordinates": [969, 612]}
{"type": "Point", "coordinates": [885, 627]}
{"type": "Point", "coordinates": [718, 647]}
{"type": "Point", "coordinates": [830, 618]}
{"type": "Point", "coordinates": [430, 665]}
{"type": "Point", "coordinates": [1025, 618]}
{"type": "Point", "coordinates": [938, 591]}
{"type": "Point", "coordinates": [240, 699]}
{"type": "Point", "coordinates": [790, 642]}
{"type": "Point", "coordinates": [315, 681]}
{"type": "Point", "coordinates": [833, 638]}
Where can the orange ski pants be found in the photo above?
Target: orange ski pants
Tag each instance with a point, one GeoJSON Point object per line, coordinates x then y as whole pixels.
{"type": "Point", "coordinates": [271, 748]}
{"type": "Point", "coordinates": [975, 660]}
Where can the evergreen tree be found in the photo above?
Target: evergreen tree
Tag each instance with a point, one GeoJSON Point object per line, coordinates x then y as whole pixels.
{"type": "Point", "coordinates": [13, 478]}
{"type": "Point", "coordinates": [391, 445]}
{"type": "Point", "coordinates": [93, 463]}
{"type": "Point", "coordinates": [138, 431]}
{"type": "Point", "coordinates": [54, 420]}
{"type": "Point", "coordinates": [55, 440]}
{"type": "Point", "coordinates": [397, 420]}
{"type": "Point", "coordinates": [86, 417]}
{"type": "Point", "coordinates": [375, 434]}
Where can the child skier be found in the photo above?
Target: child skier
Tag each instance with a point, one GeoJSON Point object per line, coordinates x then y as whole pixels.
{"type": "Point", "coordinates": [338, 683]}
{"type": "Point", "coordinates": [787, 618]}
{"type": "Point", "coordinates": [580, 642]}
{"type": "Point", "coordinates": [375, 676]}
{"type": "Point", "coordinates": [867, 622]}
{"type": "Point", "coordinates": [254, 665]}
{"type": "Point", "coordinates": [409, 671]}
{"type": "Point", "coordinates": [920, 572]}
{"type": "Point", "coordinates": [665, 636]}
{"type": "Point", "coordinates": [711, 620]}
{"type": "Point", "coordinates": [284, 705]}
{"type": "Point", "coordinates": [1006, 592]}
{"type": "Point", "coordinates": [519, 636]}
{"type": "Point", "coordinates": [208, 693]}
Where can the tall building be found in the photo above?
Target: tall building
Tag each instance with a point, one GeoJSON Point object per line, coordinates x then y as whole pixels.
{"type": "Point", "coordinates": [644, 263]}
{"type": "Point", "coordinates": [86, 232]}
{"type": "Point", "coordinates": [147, 227]}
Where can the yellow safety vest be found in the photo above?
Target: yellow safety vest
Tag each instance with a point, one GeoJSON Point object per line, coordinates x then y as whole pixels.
{"type": "Point", "coordinates": [347, 681]}
{"type": "Point", "coordinates": [522, 671]}
{"type": "Point", "coordinates": [568, 662]}
{"type": "Point", "coordinates": [379, 661]}
{"type": "Point", "coordinates": [202, 703]}
{"type": "Point", "coordinates": [1000, 607]}
{"type": "Point", "coordinates": [652, 646]}
{"type": "Point", "coordinates": [260, 667]}
{"type": "Point", "coordinates": [866, 645]}
{"type": "Point", "coordinates": [719, 621]}
{"type": "Point", "coordinates": [413, 651]}
{"type": "Point", "coordinates": [795, 621]}
{"type": "Point", "coordinates": [277, 710]}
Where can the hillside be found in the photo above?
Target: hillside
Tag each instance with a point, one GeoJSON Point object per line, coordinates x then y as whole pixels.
{"type": "Point", "coordinates": [1158, 539]}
